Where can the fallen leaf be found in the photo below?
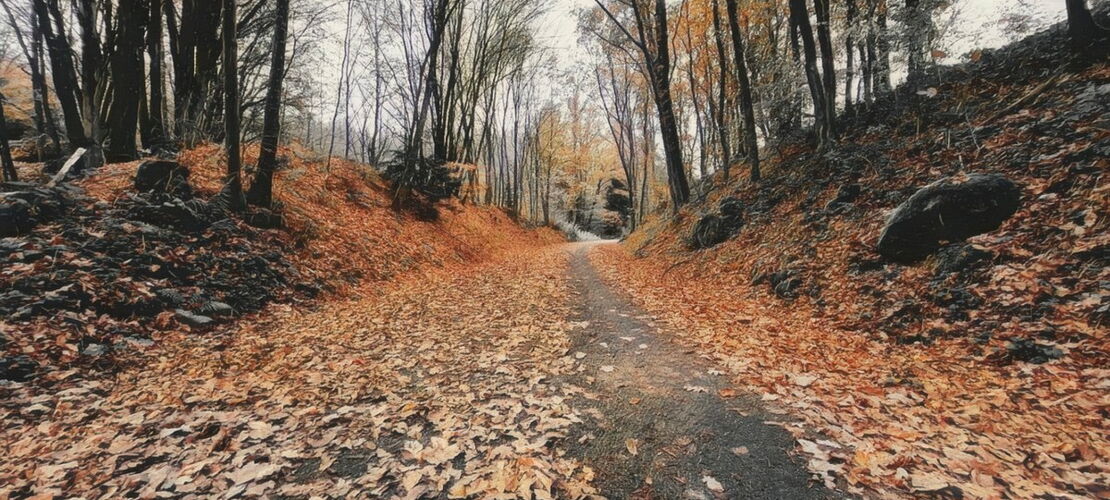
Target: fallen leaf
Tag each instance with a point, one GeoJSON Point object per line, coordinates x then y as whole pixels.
{"type": "Point", "coordinates": [712, 484]}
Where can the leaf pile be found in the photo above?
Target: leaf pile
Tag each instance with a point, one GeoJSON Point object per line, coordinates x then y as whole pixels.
{"type": "Point", "coordinates": [440, 383]}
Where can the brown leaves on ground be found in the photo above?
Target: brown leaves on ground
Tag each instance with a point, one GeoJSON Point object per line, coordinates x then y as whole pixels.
{"type": "Point", "coordinates": [431, 384]}
{"type": "Point", "coordinates": [900, 418]}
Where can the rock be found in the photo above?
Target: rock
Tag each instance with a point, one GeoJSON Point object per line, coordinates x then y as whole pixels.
{"type": "Point", "coordinates": [95, 350]}
{"type": "Point", "coordinates": [191, 319]}
{"type": "Point", "coordinates": [845, 196]}
{"type": "Point", "coordinates": [959, 258]}
{"type": "Point", "coordinates": [1032, 352]}
{"type": "Point", "coordinates": [15, 218]}
{"type": "Point", "coordinates": [708, 232]}
{"type": "Point", "coordinates": [164, 177]}
{"type": "Point", "coordinates": [191, 215]}
{"type": "Point", "coordinates": [732, 208]}
{"type": "Point", "coordinates": [17, 368]}
{"type": "Point", "coordinates": [714, 229]}
{"type": "Point", "coordinates": [169, 296]}
{"type": "Point", "coordinates": [784, 283]}
{"type": "Point", "coordinates": [264, 219]}
{"type": "Point", "coordinates": [947, 211]}
{"type": "Point", "coordinates": [217, 309]}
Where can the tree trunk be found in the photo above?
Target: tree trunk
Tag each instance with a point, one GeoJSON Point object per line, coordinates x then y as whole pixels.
{"type": "Point", "coordinates": [91, 70]}
{"type": "Point", "coordinates": [65, 75]}
{"type": "Point", "coordinates": [721, 116]}
{"type": "Point", "coordinates": [261, 192]}
{"type": "Point", "coordinates": [915, 42]}
{"type": "Point", "coordinates": [668, 127]}
{"type": "Point", "coordinates": [439, 24]}
{"type": "Point", "coordinates": [751, 143]}
{"type": "Point", "coordinates": [799, 15]}
{"type": "Point", "coordinates": [828, 69]}
{"type": "Point", "coordinates": [233, 188]}
{"type": "Point", "coordinates": [1082, 29]}
{"type": "Point", "coordinates": [157, 130]}
{"type": "Point", "coordinates": [127, 81]}
{"type": "Point", "coordinates": [882, 66]}
{"type": "Point", "coordinates": [849, 50]}
{"type": "Point", "coordinates": [8, 167]}
{"type": "Point", "coordinates": [195, 64]}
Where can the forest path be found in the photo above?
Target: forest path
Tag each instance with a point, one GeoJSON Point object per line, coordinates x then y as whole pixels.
{"type": "Point", "coordinates": [661, 427]}
{"type": "Point", "coordinates": [524, 376]}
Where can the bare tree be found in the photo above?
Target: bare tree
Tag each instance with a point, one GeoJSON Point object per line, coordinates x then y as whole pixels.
{"type": "Point", "coordinates": [654, 45]}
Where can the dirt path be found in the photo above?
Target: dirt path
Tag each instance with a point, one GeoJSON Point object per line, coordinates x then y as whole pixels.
{"type": "Point", "coordinates": [660, 428]}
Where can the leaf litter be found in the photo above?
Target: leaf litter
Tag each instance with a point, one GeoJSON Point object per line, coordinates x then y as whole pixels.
{"type": "Point", "coordinates": [436, 384]}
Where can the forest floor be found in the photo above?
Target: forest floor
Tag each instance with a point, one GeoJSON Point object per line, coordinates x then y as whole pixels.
{"type": "Point", "coordinates": [526, 376]}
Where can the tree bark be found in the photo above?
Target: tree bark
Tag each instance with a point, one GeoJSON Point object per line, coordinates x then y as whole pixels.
{"type": "Point", "coordinates": [157, 130]}
{"type": "Point", "coordinates": [882, 65]}
{"type": "Point", "coordinates": [1082, 29]}
{"type": "Point", "coordinates": [127, 80]}
{"type": "Point", "coordinates": [65, 75]}
{"type": "Point", "coordinates": [720, 114]}
{"type": "Point", "coordinates": [799, 15]}
{"type": "Point", "coordinates": [751, 143]}
{"type": "Point", "coordinates": [261, 192]}
{"type": "Point", "coordinates": [91, 70]}
{"type": "Point", "coordinates": [8, 167]}
{"type": "Point", "coordinates": [233, 186]}
{"type": "Point", "coordinates": [828, 67]}
{"type": "Point", "coordinates": [668, 126]}
{"type": "Point", "coordinates": [849, 50]}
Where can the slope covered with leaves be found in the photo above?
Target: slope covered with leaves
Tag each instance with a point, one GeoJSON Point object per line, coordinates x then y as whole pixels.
{"type": "Point", "coordinates": [100, 279]}
{"type": "Point", "coordinates": [984, 377]}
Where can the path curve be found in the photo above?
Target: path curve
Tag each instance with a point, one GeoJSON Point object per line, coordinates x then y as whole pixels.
{"type": "Point", "coordinates": [663, 402]}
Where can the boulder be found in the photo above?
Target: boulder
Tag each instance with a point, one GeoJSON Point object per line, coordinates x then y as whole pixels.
{"type": "Point", "coordinates": [175, 214]}
{"type": "Point", "coordinates": [845, 196]}
{"type": "Point", "coordinates": [15, 218]}
{"type": "Point", "coordinates": [947, 211]}
{"type": "Point", "coordinates": [164, 177]}
{"type": "Point", "coordinates": [1032, 352]}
